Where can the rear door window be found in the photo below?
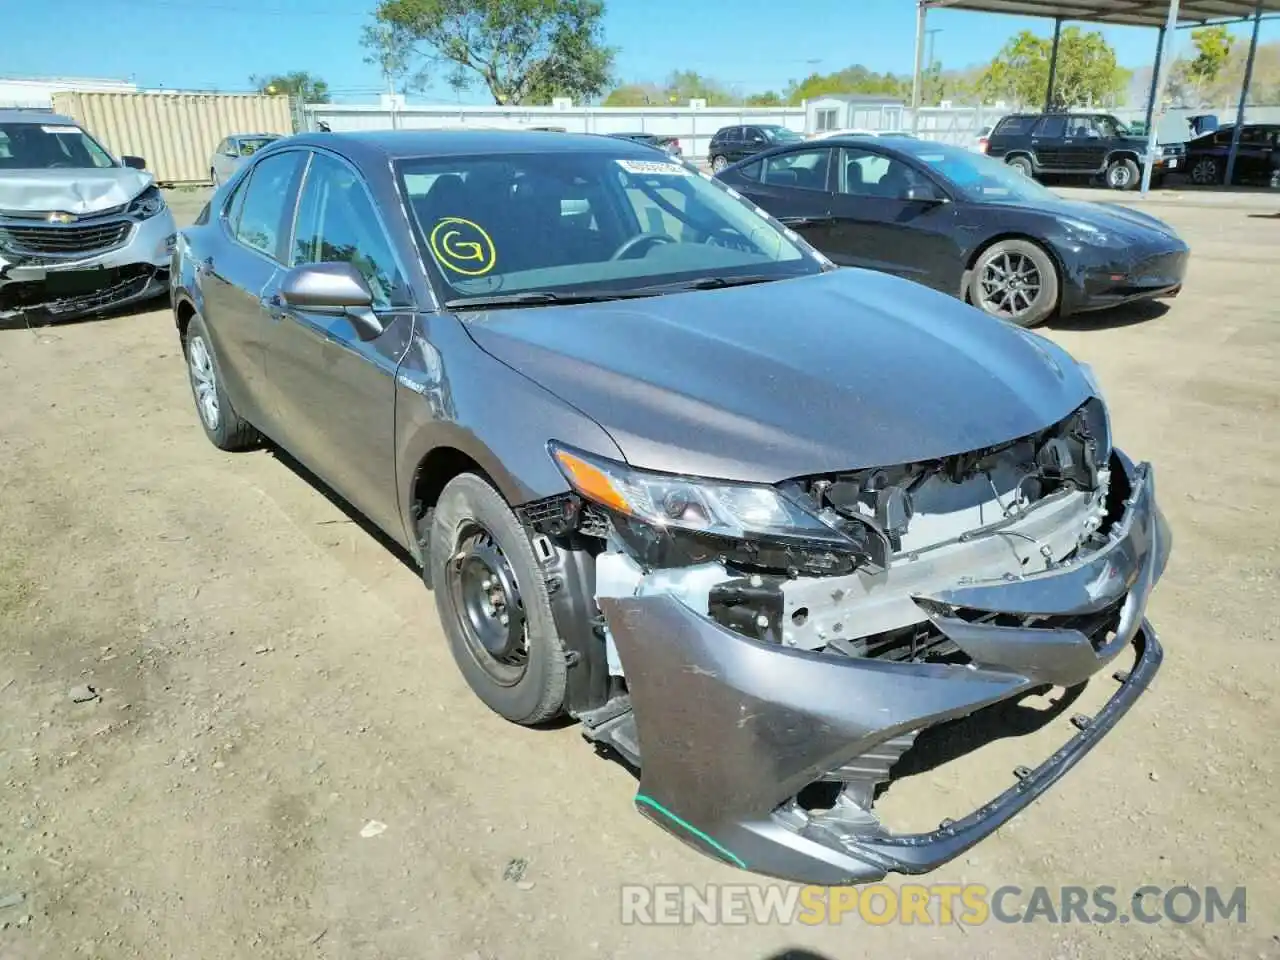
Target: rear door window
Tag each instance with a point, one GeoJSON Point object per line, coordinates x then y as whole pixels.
{"type": "Point", "coordinates": [261, 222]}
{"type": "Point", "coordinates": [1051, 128]}
{"type": "Point", "coordinates": [803, 169]}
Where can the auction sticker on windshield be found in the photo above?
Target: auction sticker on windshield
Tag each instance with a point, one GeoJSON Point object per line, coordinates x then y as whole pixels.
{"type": "Point", "coordinates": [651, 167]}
{"type": "Point", "coordinates": [60, 129]}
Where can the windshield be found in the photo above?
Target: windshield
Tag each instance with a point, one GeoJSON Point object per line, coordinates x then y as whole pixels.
{"type": "Point", "coordinates": [781, 134]}
{"type": "Point", "coordinates": [251, 145]}
{"type": "Point", "coordinates": [47, 146]}
{"type": "Point", "coordinates": [1111, 127]}
{"type": "Point", "coordinates": [581, 222]}
{"type": "Point", "coordinates": [977, 176]}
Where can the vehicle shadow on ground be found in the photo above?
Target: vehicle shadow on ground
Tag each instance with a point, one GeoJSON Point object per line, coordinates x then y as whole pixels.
{"type": "Point", "coordinates": [796, 953]}
{"type": "Point", "coordinates": [1264, 216]}
{"type": "Point", "coordinates": [1126, 315]}
{"type": "Point", "coordinates": [938, 746]}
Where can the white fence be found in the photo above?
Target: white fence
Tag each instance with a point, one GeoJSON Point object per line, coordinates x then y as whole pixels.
{"type": "Point", "coordinates": [693, 126]}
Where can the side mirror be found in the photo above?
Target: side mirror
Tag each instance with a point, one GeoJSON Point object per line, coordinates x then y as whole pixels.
{"type": "Point", "coordinates": [335, 288]}
{"type": "Point", "coordinates": [925, 193]}
{"type": "Point", "coordinates": [134, 163]}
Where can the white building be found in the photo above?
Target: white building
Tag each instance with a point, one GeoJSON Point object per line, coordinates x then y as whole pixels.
{"type": "Point", "coordinates": [840, 111]}
{"type": "Point", "coordinates": [39, 91]}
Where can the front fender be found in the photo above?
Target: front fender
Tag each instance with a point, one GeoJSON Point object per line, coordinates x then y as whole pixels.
{"type": "Point", "coordinates": [450, 394]}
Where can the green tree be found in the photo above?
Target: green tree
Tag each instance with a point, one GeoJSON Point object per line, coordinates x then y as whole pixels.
{"type": "Point", "coordinates": [523, 51]}
{"type": "Point", "coordinates": [1087, 73]}
{"type": "Point", "coordinates": [1193, 81]}
{"type": "Point", "coordinates": [299, 83]}
{"type": "Point", "coordinates": [634, 95]}
{"type": "Point", "coordinates": [853, 79]}
{"type": "Point", "coordinates": [391, 49]}
{"type": "Point", "coordinates": [767, 99]}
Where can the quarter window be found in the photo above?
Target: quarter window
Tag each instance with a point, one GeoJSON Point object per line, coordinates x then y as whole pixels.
{"type": "Point", "coordinates": [337, 223]}
{"type": "Point", "coordinates": [260, 218]}
{"type": "Point", "coordinates": [1053, 127]}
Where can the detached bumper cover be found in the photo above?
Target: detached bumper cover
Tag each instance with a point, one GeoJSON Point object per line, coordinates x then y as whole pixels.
{"type": "Point", "coordinates": [731, 729]}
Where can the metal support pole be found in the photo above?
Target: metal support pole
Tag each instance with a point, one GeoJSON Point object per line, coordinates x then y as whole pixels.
{"type": "Point", "coordinates": [1162, 64]}
{"type": "Point", "coordinates": [1155, 77]}
{"type": "Point", "coordinates": [1244, 93]}
{"type": "Point", "coordinates": [922, 12]}
{"type": "Point", "coordinates": [1053, 64]}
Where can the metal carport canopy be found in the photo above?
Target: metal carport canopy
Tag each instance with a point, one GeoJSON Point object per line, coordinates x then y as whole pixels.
{"type": "Point", "coordinates": [1130, 13]}
{"type": "Point", "coordinates": [1167, 15]}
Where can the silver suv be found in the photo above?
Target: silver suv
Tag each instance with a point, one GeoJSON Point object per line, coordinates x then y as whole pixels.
{"type": "Point", "coordinates": [80, 231]}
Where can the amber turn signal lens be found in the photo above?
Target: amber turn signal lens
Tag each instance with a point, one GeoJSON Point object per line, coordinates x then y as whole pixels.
{"type": "Point", "coordinates": [591, 482]}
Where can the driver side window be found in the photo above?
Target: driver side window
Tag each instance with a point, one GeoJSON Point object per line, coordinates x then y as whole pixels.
{"type": "Point", "coordinates": [866, 174]}
{"type": "Point", "coordinates": [337, 223]}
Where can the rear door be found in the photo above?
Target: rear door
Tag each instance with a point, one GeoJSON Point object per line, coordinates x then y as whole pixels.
{"type": "Point", "coordinates": [333, 392]}
{"type": "Point", "coordinates": [796, 188]}
{"type": "Point", "coordinates": [237, 273]}
{"type": "Point", "coordinates": [881, 224]}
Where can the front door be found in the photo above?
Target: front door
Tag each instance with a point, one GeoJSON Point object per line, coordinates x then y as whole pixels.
{"type": "Point", "coordinates": [333, 391]}
{"type": "Point", "coordinates": [884, 219]}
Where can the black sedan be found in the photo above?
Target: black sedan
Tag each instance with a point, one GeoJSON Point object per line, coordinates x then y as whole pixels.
{"type": "Point", "coordinates": [659, 141]}
{"type": "Point", "coordinates": [964, 224]}
{"type": "Point", "coordinates": [1257, 155]}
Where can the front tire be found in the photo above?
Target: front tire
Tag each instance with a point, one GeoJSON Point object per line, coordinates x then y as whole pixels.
{"type": "Point", "coordinates": [1123, 175]}
{"type": "Point", "coordinates": [224, 427]}
{"type": "Point", "coordinates": [1015, 280]}
{"type": "Point", "coordinates": [213, 176]}
{"type": "Point", "coordinates": [493, 603]}
{"type": "Point", "coordinates": [1206, 172]}
{"type": "Point", "coordinates": [1021, 165]}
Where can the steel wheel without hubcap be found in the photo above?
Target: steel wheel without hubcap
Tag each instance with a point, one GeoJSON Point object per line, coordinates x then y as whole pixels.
{"type": "Point", "coordinates": [489, 608]}
{"type": "Point", "coordinates": [204, 380]}
{"type": "Point", "coordinates": [1205, 172]}
{"type": "Point", "coordinates": [1010, 284]}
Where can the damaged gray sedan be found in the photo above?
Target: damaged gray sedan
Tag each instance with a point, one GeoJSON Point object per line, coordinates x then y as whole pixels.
{"type": "Point", "coordinates": [757, 522]}
{"type": "Point", "coordinates": [80, 232]}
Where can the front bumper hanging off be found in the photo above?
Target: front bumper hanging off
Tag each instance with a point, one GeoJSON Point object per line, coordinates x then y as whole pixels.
{"type": "Point", "coordinates": [732, 729]}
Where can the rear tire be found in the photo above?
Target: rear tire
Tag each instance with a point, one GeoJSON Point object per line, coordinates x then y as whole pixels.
{"type": "Point", "coordinates": [1206, 172]}
{"type": "Point", "coordinates": [224, 427]}
{"type": "Point", "coordinates": [1123, 175]}
{"type": "Point", "coordinates": [1022, 165]}
{"type": "Point", "coordinates": [718, 164]}
{"type": "Point", "coordinates": [1015, 280]}
{"type": "Point", "coordinates": [517, 666]}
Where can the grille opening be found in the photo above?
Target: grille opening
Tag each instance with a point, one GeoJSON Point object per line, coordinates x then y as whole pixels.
{"type": "Point", "coordinates": [64, 241]}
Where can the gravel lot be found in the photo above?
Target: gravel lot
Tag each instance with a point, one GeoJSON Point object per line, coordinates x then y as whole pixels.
{"type": "Point", "coordinates": [272, 678]}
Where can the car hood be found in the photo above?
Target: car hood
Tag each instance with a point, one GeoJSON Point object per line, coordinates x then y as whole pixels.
{"type": "Point", "coordinates": [1123, 222]}
{"type": "Point", "coordinates": [79, 191]}
{"type": "Point", "coordinates": [838, 371]}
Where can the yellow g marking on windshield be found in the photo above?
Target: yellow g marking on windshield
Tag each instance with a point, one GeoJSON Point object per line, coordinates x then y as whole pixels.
{"type": "Point", "coordinates": [463, 246]}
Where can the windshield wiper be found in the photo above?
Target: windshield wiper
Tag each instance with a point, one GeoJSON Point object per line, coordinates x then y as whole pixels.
{"type": "Point", "coordinates": [538, 298]}
{"type": "Point", "coordinates": [708, 283]}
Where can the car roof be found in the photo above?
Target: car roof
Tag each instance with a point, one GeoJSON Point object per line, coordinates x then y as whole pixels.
{"type": "Point", "coordinates": [378, 145]}
{"type": "Point", "coordinates": [36, 116]}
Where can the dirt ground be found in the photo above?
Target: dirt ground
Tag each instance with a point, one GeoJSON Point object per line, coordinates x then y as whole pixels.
{"type": "Point", "coordinates": [272, 678]}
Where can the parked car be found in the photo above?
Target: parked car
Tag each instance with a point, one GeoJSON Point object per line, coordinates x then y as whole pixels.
{"type": "Point", "coordinates": [81, 232]}
{"type": "Point", "coordinates": [1079, 144]}
{"type": "Point", "coordinates": [1257, 156]}
{"type": "Point", "coordinates": [233, 151]}
{"type": "Point", "coordinates": [659, 141]}
{"type": "Point", "coordinates": [731, 144]}
{"type": "Point", "coordinates": [963, 224]}
{"type": "Point", "coordinates": [982, 140]}
{"type": "Point", "coordinates": [669, 471]}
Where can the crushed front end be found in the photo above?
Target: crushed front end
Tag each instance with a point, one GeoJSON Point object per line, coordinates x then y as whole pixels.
{"type": "Point", "coordinates": [56, 265]}
{"type": "Point", "coordinates": [764, 639]}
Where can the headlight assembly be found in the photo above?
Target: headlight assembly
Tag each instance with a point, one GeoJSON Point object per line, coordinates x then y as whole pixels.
{"type": "Point", "coordinates": [744, 523]}
{"type": "Point", "coordinates": [147, 204]}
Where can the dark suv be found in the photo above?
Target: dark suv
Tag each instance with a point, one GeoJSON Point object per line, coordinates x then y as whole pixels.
{"type": "Point", "coordinates": [1079, 144]}
{"type": "Point", "coordinates": [731, 144]}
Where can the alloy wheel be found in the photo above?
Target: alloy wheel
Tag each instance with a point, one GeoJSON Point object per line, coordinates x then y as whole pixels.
{"type": "Point", "coordinates": [1205, 172]}
{"type": "Point", "coordinates": [488, 605]}
{"type": "Point", "coordinates": [1011, 285]}
{"type": "Point", "coordinates": [718, 164]}
{"type": "Point", "coordinates": [204, 380]}
{"type": "Point", "coordinates": [1118, 176]}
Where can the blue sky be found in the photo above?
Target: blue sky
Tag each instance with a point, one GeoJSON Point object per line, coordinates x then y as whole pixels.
{"type": "Point", "coordinates": [750, 44]}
